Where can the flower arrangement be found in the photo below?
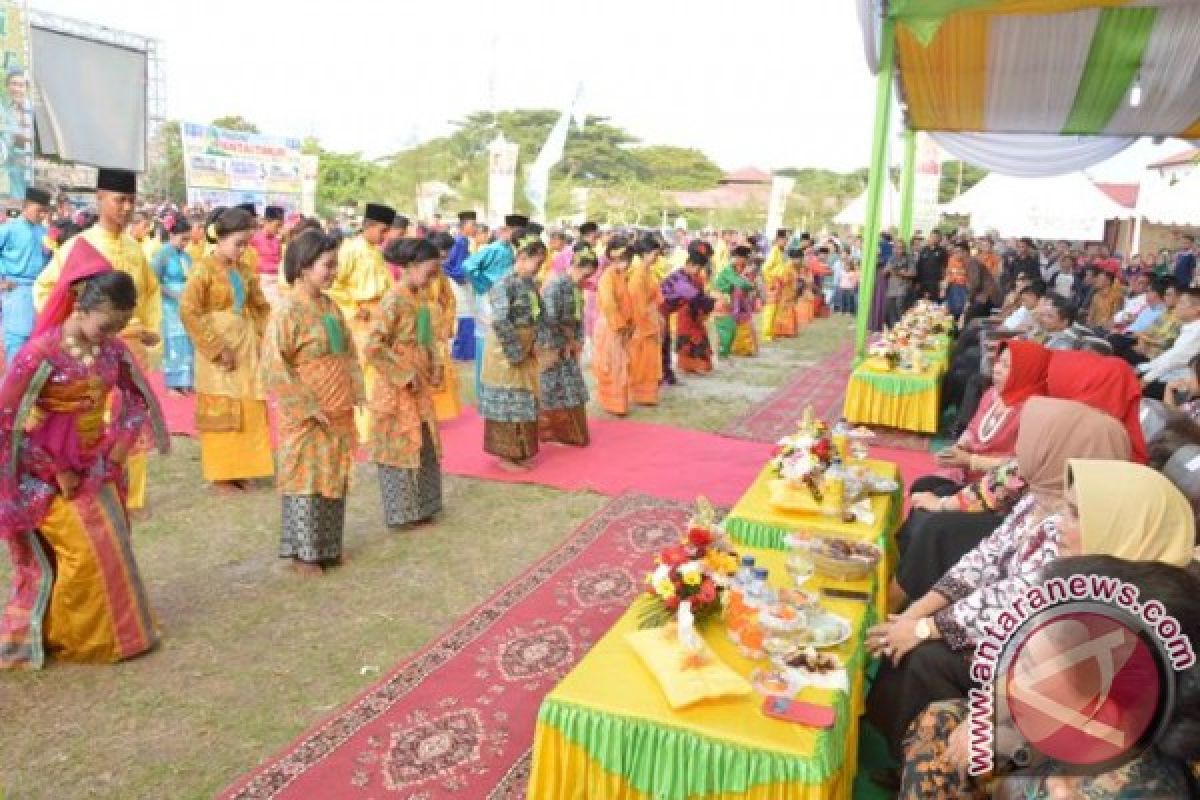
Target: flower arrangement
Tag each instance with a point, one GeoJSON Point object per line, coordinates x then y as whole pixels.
{"type": "Point", "coordinates": [695, 571]}
{"type": "Point", "coordinates": [802, 458]}
{"type": "Point", "coordinates": [886, 349]}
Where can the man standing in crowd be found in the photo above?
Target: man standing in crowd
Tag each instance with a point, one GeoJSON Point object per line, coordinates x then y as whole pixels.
{"type": "Point", "coordinates": [23, 256]}
{"type": "Point", "coordinates": [1024, 262]}
{"type": "Point", "coordinates": [361, 282]}
{"type": "Point", "coordinates": [1185, 262]}
{"type": "Point", "coordinates": [463, 348]}
{"type": "Point", "coordinates": [931, 267]}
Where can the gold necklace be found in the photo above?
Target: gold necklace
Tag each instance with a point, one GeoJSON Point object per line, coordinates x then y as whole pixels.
{"type": "Point", "coordinates": [84, 353]}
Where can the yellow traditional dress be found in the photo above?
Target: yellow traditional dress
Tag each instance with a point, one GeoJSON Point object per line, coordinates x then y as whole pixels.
{"type": "Point", "coordinates": [443, 305]}
{"type": "Point", "coordinates": [773, 273]}
{"type": "Point", "coordinates": [781, 291]}
{"type": "Point", "coordinates": [126, 255]}
{"type": "Point", "coordinates": [310, 367]}
{"type": "Point", "coordinates": [404, 443]}
{"type": "Point", "coordinates": [361, 283]}
{"type": "Point", "coordinates": [224, 307]}
{"type": "Point", "coordinates": [610, 340]}
{"type": "Point", "coordinates": [76, 591]}
{"type": "Point", "coordinates": [645, 346]}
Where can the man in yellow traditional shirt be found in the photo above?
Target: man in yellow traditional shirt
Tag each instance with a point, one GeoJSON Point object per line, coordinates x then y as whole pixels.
{"type": "Point", "coordinates": [116, 194]}
{"type": "Point", "coordinates": [776, 264]}
{"type": "Point", "coordinates": [361, 282]}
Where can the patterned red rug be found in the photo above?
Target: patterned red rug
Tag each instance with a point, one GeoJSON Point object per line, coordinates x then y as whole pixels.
{"type": "Point", "coordinates": [823, 386]}
{"type": "Point", "coordinates": [456, 720]}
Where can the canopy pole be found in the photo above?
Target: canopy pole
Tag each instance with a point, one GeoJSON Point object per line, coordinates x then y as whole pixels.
{"type": "Point", "coordinates": [908, 177]}
{"type": "Point", "coordinates": [877, 179]}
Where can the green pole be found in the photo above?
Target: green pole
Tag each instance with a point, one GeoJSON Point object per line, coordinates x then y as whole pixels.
{"type": "Point", "coordinates": [877, 179]}
{"type": "Point", "coordinates": [908, 175]}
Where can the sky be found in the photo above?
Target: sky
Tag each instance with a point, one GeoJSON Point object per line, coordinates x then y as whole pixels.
{"type": "Point", "coordinates": [765, 83]}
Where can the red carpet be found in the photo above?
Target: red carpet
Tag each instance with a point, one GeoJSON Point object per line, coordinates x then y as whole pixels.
{"type": "Point", "coordinates": [822, 386]}
{"type": "Point", "coordinates": [624, 456]}
{"type": "Point", "coordinates": [456, 720]}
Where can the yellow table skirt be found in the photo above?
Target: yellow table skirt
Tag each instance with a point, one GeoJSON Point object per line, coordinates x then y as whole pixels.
{"type": "Point", "coordinates": [867, 403]}
{"type": "Point", "coordinates": [606, 730]}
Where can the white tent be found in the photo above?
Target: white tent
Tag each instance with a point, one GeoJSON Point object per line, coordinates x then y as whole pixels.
{"type": "Point", "coordinates": [1161, 202]}
{"type": "Point", "coordinates": [1059, 207]}
{"type": "Point", "coordinates": [855, 214]}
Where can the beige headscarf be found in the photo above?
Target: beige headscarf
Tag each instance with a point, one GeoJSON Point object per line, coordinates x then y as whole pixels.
{"type": "Point", "coordinates": [1053, 431]}
{"type": "Point", "coordinates": [1132, 512]}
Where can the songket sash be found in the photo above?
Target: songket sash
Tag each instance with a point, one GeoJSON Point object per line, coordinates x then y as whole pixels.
{"type": "Point", "coordinates": [501, 373]}
{"type": "Point", "coordinates": [221, 410]}
{"type": "Point", "coordinates": [332, 382]}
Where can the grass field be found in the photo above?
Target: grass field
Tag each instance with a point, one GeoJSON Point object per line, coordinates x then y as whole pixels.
{"type": "Point", "coordinates": [252, 655]}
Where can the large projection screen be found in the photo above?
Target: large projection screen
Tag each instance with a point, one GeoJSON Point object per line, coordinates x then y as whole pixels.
{"type": "Point", "coordinates": [90, 101]}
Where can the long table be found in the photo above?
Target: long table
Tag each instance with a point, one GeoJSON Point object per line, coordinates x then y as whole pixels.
{"type": "Point", "coordinates": [606, 731]}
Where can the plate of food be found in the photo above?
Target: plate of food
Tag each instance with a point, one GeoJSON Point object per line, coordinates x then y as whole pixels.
{"type": "Point", "coordinates": [824, 629]}
{"type": "Point", "coordinates": [843, 559]}
{"type": "Point", "coordinates": [810, 660]}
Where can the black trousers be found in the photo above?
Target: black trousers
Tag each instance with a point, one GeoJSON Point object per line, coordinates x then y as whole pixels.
{"type": "Point", "coordinates": [931, 672]}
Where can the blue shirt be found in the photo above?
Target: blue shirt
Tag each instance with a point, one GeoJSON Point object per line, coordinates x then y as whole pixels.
{"type": "Point", "coordinates": [489, 265]}
{"type": "Point", "coordinates": [453, 267]}
{"type": "Point", "coordinates": [1185, 267]}
{"type": "Point", "coordinates": [23, 253]}
{"type": "Point", "coordinates": [1147, 317]}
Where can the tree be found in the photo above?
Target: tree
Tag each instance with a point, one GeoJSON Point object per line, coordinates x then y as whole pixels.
{"type": "Point", "coordinates": [236, 122]}
{"type": "Point", "coordinates": [957, 177]}
{"type": "Point", "coordinates": [165, 177]}
{"type": "Point", "coordinates": [342, 180]}
{"type": "Point", "coordinates": [669, 167]}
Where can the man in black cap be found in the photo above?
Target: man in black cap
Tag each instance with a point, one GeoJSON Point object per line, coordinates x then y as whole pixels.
{"type": "Point", "coordinates": [23, 256]}
{"type": "Point", "coordinates": [116, 196]}
{"type": "Point", "coordinates": [463, 348]}
{"type": "Point", "coordinates": [484, 269]}
{"type": "Point", "coordinates": [361, 282]}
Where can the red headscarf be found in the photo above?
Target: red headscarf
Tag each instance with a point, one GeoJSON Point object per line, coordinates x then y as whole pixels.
{"type": "Point", "coordinates": [82, 262]}
{"type": "Point", "coordinates": [1105, 383]}
{"type": "Point", "coordinates": [1027, 376]}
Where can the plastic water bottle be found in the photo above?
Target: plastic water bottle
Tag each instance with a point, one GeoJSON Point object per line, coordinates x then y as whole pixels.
{"type": "Point", "coordinates": [759, 594]}
{"type": "Point", "coordinates": [745, 574]}
{"type": "Point", "coordinates": [841, 438]}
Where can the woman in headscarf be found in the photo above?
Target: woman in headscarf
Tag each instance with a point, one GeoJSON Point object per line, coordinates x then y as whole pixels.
{"type": "Point", "coordinates": [1018, 373]}
{"type": "Point", "coordinates": [995, 572]}
{"type": "Point", "coordinates": [76, 588]}
{"type": "Point", "coordinates": [1103, 382]}
{"type": "Point", "coordinates": [1051, 431]}
{"type": "Point", "coordinates": [1095, 540]}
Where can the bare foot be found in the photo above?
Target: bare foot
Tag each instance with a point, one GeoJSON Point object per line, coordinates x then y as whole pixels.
{"type": "Point", "coordinates": [139, 514]}
{"type": "Point", "coordinates": [512, 466]}
{"type": "Point", "coordinates": [226, 487]}
{"type": "Point", "coordinates": [306, 570]}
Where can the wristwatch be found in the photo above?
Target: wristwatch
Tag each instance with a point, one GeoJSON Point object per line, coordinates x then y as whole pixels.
{"type": "Point", "coordinates": [924, 629]}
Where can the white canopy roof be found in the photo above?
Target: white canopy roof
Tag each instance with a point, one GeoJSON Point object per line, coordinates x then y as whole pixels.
{"type": "Point", "coordinates": [1060, 207]}
{"type": "Point", "coordinates": [1164, 203]}
{"type": "Point", "coordinates": [855, 213]}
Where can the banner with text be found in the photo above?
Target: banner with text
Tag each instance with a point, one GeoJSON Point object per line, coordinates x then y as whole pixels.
{"type": "Point", "coordinates": [223, 167]}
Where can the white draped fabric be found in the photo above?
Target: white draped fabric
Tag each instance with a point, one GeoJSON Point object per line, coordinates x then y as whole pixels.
{"type": "Point", "coordinates": [1170, 77]}
{"type": "Point", "coordinates": [869, 21]}
{"type": "Point", "coordinates": [1021, 50]}
{"type": "Point", "coordinates": [1032, 155]}
{"type": "Point", "coordinates": [1059, 207]}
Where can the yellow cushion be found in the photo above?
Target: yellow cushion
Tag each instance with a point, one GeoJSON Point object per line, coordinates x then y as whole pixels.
{"type": "Point", "coordinates": [683, 684]}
